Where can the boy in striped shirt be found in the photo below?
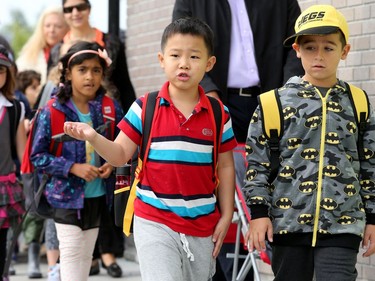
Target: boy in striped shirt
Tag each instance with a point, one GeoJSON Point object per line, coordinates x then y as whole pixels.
{"type": "Point", "coordinates": [181, 218]}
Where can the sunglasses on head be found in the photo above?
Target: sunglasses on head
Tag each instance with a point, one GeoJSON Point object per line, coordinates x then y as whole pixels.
{"type": "Point", "coordinates": [80, 7]}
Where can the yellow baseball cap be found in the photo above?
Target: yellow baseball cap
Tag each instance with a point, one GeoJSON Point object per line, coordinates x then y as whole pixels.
{"type": "Point", "coordinates": [319, 20]}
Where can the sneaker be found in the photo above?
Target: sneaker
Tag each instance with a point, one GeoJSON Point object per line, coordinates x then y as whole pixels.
{"type": "Point", "coordinates": [12, 270]}
{"type": "Point", "coordinates": [54, 273]}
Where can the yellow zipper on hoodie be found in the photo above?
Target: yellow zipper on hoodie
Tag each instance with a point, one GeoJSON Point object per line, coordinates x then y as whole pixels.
{"type": "Point", "coordinates": [321, 165]}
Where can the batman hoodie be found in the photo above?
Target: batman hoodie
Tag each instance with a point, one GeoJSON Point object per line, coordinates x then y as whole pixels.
{"type": "Point", "coordinates": [323, 194]}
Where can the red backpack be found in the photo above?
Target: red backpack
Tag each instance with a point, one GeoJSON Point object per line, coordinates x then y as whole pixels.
{"type": "Point", "coordinates": [36, 203]}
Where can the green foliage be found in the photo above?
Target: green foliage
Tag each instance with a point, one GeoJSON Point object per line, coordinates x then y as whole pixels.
{"type": "Point", "coordinates": [18, 31]}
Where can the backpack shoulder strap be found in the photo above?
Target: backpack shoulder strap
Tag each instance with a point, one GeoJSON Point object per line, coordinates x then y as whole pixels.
{"type": "Point", "coordinates": [109, 114]}
{"type": "Point", "coordinates": [148, 110]}
{"type": "Point", "coordinates": [272, 117]}
{"type": "Point", "coordinates": [217, 115]}
{"type": "Point", "coordinates": [361, 108]}
{"type": "Point", "coordinates": [57, 127]}
{"type": "Point", "coordinates": [139, 158]}
{"type": "Point", "coordinates": [14, 113]}
{"type": "Point", "coordinates": [148, 116]}
{"type": "Point", "coordinates": [273, 126]}
{"type": "Point", "coordinates": [360, 102]}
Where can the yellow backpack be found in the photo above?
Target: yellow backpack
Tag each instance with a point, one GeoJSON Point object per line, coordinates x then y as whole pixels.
{"type": "Point", "coordinates": [273, 121]}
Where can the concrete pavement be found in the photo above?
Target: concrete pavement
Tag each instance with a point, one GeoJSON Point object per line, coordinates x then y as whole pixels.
{"type": "Point", "coordinates": [128, 263]}
{"type": "Point", "coordinates": [130, 271]}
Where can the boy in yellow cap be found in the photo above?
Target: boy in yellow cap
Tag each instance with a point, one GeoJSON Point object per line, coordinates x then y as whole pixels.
{"type": "Point", "coordinates": [321, 204]}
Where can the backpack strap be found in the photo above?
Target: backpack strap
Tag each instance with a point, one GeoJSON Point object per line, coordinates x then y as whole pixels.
{"type": "Point", "coordinates": [14, 113]}
{"type": "Point", "coordinates": [361, 108]}
{"type": "Point", "coordinates": [148, 116]}
{"type": "Point", "coordinates": [109, 115]}
{"type": "Point", "coordinates": [57, 127]}
{"type": "Point", "coordinates": [273, 127]}
{"type": "Point", "coordinates": [139, 158]}
{"type": "Point", "coordinates": [217, 116]}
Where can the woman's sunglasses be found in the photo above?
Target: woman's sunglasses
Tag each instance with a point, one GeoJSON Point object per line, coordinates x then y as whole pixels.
{"type": "Point", "coordinates": [79, 7]}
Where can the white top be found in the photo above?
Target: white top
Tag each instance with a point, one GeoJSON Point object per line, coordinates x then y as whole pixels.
{"type": "Point", "coordinates": [5, 103]}
{"type": "Point", "coordinates": [40, 66]}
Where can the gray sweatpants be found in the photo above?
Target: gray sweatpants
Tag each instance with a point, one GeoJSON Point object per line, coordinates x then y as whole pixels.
{"type": "Point", "coordinates": [166, 255]}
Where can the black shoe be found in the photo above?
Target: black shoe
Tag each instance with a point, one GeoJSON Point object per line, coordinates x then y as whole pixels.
{"type": "Point", "coordinates": [113, 270]}
{"type": "Point", "coordinates": [94, 269]}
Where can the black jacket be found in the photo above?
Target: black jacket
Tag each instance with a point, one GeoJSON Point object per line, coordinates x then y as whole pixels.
{"type": "Point", "coordinates": [272, 21]}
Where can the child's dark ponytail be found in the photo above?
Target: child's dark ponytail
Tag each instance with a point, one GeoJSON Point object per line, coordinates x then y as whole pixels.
{"type": "Point", "coordinates": [64, 92]}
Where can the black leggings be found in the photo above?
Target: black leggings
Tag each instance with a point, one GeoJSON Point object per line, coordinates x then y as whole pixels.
{"type": "Point", "coordinates": [110, 238]}
{"type": "Point", "coordinates": [3, 249]}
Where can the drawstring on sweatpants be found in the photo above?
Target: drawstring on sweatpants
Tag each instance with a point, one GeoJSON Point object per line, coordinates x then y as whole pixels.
{"type": "Point", "coordinates": [185, 246]}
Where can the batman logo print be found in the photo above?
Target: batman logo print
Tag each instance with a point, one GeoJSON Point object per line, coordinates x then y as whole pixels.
{"type": "Point", "coordinates": [328, 204]}
{"type": "Point", "coordinates": [257, 200]}
{"type": "Point", "coordinates": [351, 127]}
{"type": "Point", "coordinates": [248, 150]}
{"type": "Point", "coordinates": [313, 122]}
{"type": "Point", "coordinates": [331, 171]}
{"type": "Point", "coordinates": [284, 203]}
{"type": "Point", "coordinates": [305, 218]}
{"type": "Point", "coordinates": [306, 94]}
{"type": "Point", "coordinates": [332, 138]}
{"type": "Point", "coordinates": [345, 220]}
{"type": "Point", "coordinates": [251, 174]}
{"type": "Point", "coordinates": [368, 153]}
{"type": "Point", "coordinates": [350, 190]}
{"type": "Point", "coordinates": [286, 172]}
{"type": "Point", "coordinates": [289, 112]}
{"type": "Point", "coordinates": [307, 187]}
{"type": "Point", "coordinates": [262, 139]}
{"type": "Point", "coordinates": [254, 118]}
{"type": "Point", "coordinates": [294, 143]}
{"type": "Point", "coordinates": [309, 153]}
{"type": "Point", "coordinates": [334, 106]}
{"type": "Point", "coordinates": [368, 184]}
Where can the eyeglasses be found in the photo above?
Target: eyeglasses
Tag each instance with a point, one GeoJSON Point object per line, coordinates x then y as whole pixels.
{"type": "Point", "coordinates": [3, 69]}
{"type": "Point", "coordinates": [80, 7]}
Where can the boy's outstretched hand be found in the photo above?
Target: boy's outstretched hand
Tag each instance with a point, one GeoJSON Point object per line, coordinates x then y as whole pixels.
{"type": "Point", "coordinates": [256, 235]}
{"type": "Point", "coordinates": [79, 131]}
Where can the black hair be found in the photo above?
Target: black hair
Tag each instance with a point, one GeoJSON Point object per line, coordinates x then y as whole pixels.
{"type": "Point", "coordinates": [10, 82]}
{"type": "Point", "coordinates": [192, 26]}
{"type": "Point", "coordinates": [25, 78]}
{"type": "Point", "coordinates": [65, 91]}
{"type": "Point", "coordinates": [64, 1]}
{"type": "Point", "coordinates": [339, 32]}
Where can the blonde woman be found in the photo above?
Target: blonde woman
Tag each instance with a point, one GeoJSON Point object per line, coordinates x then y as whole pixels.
{"type": "Point", "coordinates": [49, 31]}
